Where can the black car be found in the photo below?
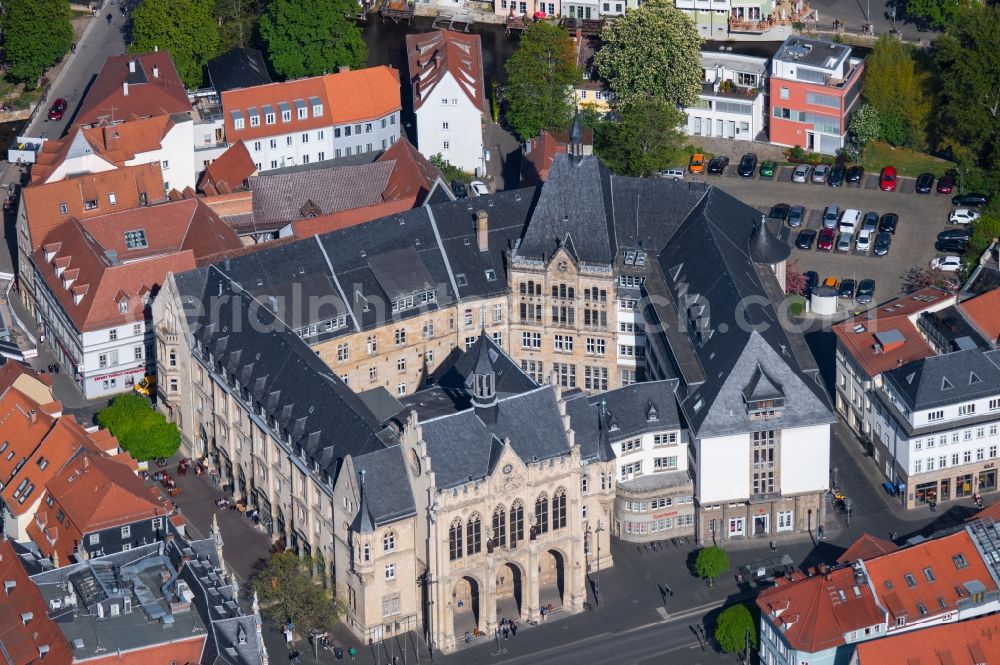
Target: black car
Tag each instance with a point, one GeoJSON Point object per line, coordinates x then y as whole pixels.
{"type": "Point", "coordinates": [805, 239]}
{"type": "Point", "coordinates": [779, 211]}
{"type": "Point", "coordinates": [882, 242]}
{"type": "Point", "coordinates": [952, 245]}
{"type": "Point", "coordinates": [970, 199]}
{"type": "Point", "coordinates": [458, 188]}
{"type": "Point", "coordinates": [889, 222]}
{"type": "Point", "coordinates": [837, 175]}
{"type": "Point", "coordinates": [847, 288]}
{"type": "Point", "coordinates": [925, 183]}
{"type": "Point", "coordinates": [718, 165]}
{"type": "Point", "coordinates": [866, 291]}
{"type": "Point", "coordinates": [855, 174]}
{"type": "Point", "coordinates": [960, 233]}
{"type": "Point", "coordinates": [748, 164]}
{"type": "Point", "coordinates": [812, 281]}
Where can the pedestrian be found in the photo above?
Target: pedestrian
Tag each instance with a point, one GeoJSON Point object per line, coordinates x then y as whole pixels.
{"type": "Point", "coordinates": [353, 653]}
{"type": "Point", "coordinates": [667, 589]}
{"type": "Point", "coordinates": [513, 629]}
{"type": "Point", "coordinates": [506, 631]}
{"type": "Point", "coordinates": [933, 505]}
{"type": "Point", "coordinates": [468, 637]}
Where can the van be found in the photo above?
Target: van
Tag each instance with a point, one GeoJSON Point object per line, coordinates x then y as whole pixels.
{"type": "Point", "coordinates": [849, 221]}
{"type": "Point", "coordinates": [676, 173]}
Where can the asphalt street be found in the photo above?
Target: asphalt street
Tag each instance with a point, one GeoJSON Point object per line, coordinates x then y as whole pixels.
{"type": "Point", "coordinates": [853, 14]}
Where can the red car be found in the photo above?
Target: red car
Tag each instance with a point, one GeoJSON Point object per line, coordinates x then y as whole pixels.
{"type": "Point", "coordinates": [826, 238]}
{"type": "Point", "coordinates": [945, 184]}
{"type": "Point", "coordinates": [58, 109]}
{"type": "Point", "coordinates": [887, 179]}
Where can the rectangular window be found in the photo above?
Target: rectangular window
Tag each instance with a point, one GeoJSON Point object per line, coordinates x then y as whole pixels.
{"type": "Point", "coordinates": [566, 373]}
{"type": "Point", "coordinates": [595, 378]}
{"type": "Point", "coordinates": [531, 340]}
{"type": "Point", "coordinates": [126, 531]}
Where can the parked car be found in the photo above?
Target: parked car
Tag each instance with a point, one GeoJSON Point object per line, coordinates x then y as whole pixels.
{"type": "Point", "coordinates": [887, 179]}
{"type": "Point", "coordinates": [819, 173]}
{"type": "Point", "coordinates": [970, 199]}
{"type": "Point", "coordinates": [847, 288]}
{"type": "Point", "coordinates": [718, 165]}
{"type": "Point", "coordinates": [837, 175]}
{"type": "Point", "coordinates": [889, 222]}
{"type": "Point", "coordinates": [945, 184]}
{"type": "Point", "coordinates": [697, 163]}
{"type": "Point", "coordinates": [962, 216]}
{"type": "Point", "coordinates": [925, 183]}
{"type": "Point", "coordinates": [952, 245]}
{"type": "Point", "coordinates": [831, 281]}
{"type": "Point", "coordinates": [881, 244]}
{"type": "Point", "coordinates": [866, 291]}
{"type": "Point", "coordinates": [479, 188]}
{"type": "Point", "coordinates": [459, 189]}
{"type": "Point", "coordinates": [779, 211]}
{"type": "Point", "coordinates": [864, 241]}
{"type": "Point", "coordinates": [849, 221]}
{"type": "Point", "coordinates": [844, 242]}
{"type": "Point", "coordinates": [800, 173]}
{"type": "Point", "coordinates": [812, 281]}
{"type": "Point", "coordinates": [796, 216]}
{"type": "Point", "coordinates": [748, 164]}
{"type": "Point", "coordinates": [855, 174]}
{"type": "Point", "coordinates": [870, 221]}
{"type": "Point", "coordinates": [949, 263]}
{"type": "Point", "coordinates": [960, 233]}
{"type": "Point", "coordinates": [676, 173]}
{"type": "Point", "coordinates": [805, 239]}
{"type": "Point", "coordinates": [58, 109]}
{"type": "Point", "coordinates": [830, 215]}
{"type": "Point", "coordinates": [825, 239]}
{"type": "Point", "coordinates": [767, 168]}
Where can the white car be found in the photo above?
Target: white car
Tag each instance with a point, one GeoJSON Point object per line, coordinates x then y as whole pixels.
{"type": "Point", "coordinates": [849, 221]}
{"type": "Point", "coordinates": [864, 240]}
{"type": "Point", "coordinates": [950, 263]}
{"type": "Point", "coordinates": [962, 216]}
{"type": "Point", "coordinates": [479, 188]}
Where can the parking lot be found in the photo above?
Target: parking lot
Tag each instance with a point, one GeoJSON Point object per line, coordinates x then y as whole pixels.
{"type": "Point", "coordinates": [921, 217]}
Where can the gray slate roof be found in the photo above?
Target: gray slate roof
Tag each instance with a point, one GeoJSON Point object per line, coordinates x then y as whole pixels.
{"type": "Point", "coordinates": [952, 378]}
{"type": "Point", "coordinates": [280, 197]}
{"type": "Point", "coordinates": [388, 494]}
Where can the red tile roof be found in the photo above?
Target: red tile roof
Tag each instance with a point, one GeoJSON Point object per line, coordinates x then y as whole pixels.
{"type": "Point", "coordinates": [348, 96]}
{"type": "Point", "coordinates": [538, 155]}
{"type": "Point", "coordinates": [310, 226]}
{"type": "Point", "coordinates": [971, 642]}
{"type": "Point", "coordinates": [866, 547]}
{"type": "Point", "coordinates": [988, 513]}
{"type": "Point", "coordinates": [154, 88]}
{"type": "Point", "coordinates": [229, 172]}
{"type": "Point", "coordinates": [122, 142]}
{"type": "Point", "coordinates": [129, 184]}
{"type": "Point", "coordinates": [433, 54]}
{"type": "Point", "coordinates": [983, 312]}
{"type": "Point", "coordinates": [21, 641]}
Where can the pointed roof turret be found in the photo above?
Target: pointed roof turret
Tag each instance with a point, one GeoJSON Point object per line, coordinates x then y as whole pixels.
{"type": "Point", "coordinates": [764, 247]}
{"type": "Point", "coordinates": [363, 522]}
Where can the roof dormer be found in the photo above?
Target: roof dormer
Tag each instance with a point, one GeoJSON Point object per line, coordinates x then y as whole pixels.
{"type": "Point", "coordinates": [51, 249]}
{"type": "Point", "coordinates": [79, 292]}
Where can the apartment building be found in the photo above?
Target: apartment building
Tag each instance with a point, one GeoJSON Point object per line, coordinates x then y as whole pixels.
{"type": "Point", "coordinates": [815, 85]}
{"type": "Point", "coordinates": [731, 103]}
{"type": "Point", "coordinates": [308, 120]}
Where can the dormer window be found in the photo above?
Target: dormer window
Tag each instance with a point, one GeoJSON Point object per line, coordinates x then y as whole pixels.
{"type": "Point", "coordinates": [765, 408]}
{"type": "Point", "coordinates": [123, 305]}
{"type": "Point", "coordinates": [63, 209]}
{"type": "Point", "coordinates": [317, 110]}
{"type": "Point", "coordinates": [90, 205]}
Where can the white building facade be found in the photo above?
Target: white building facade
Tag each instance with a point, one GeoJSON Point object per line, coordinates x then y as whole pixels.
{"type": "Point", "coordinates": [731, 104]}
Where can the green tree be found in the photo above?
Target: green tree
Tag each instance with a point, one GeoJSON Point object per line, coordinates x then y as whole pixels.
{"type": "Point", "coordinates": [652, 51]}
{"type": "Point", "coordinates": [142, 431]}
{"type": "Point", "coordinates": [36, 35]}
{"type": "Point", "coordinates": [984, 231]}
{"type": "Point", "coordinates": [237, 21]}
{"type": "Point", "coordinates": [540, 76]}
{"type": "Point", "coordinates": [450, 172]}
{"type": "Point", "coordinates": [312, 37]}
{"type": "Point", "coordinates": [866, 124]}
{"type": "Point", "coordinates": [187, 29]}
{"type": "Point", "coordinates": [936, 14]}
{"type": "Point", "coordinates": [711, 562]}
{"type": "Point", "coordinates": [734, 624]}
{"type": "Point", "coordinates": [645, 141]}
{"type": "Point", "coordinates": [895, 86]}
{"type": "Point", "coordinates": [288, 592]}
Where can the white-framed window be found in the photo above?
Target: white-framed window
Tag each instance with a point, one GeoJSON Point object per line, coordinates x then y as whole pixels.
{"type": "Point", "coordinates": [785, 522]}
{"type": "Point", "coordinates": [389, 542]}
{"type": "Point", "coordinates": [126, 531]}
{"type": "Point", "coordinates": [446, 145]}
{"type": "Point", "coordinates": [390, 571]}
{"type": "Point", "coordinates": [444, 126]}
{"type": "Point", "coordinates": [95, 539]}
{"type": "Point", "coordinates": [401, 389]}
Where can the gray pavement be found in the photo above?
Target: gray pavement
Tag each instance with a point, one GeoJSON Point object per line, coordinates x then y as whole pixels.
{"type": "Point", "coordinates": [853, 14]}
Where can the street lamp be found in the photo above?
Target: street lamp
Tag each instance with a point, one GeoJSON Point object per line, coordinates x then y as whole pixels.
{"type": "Point", "coordinates": [597, 578]}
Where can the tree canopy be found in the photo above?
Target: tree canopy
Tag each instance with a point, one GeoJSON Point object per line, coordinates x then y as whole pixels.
{"type": "Point", "coordinates": [652, 51]}
{"type": "Point", "coordinates": [144, 432]}
{"type": "Point", "coordinates": [312, 37]}
{"type": "Point", "coordinates": [899, 90]}
{"type": "Point", "coordinates": [645, 140]}
{"type": "Point", "coordinates": [187, 29]}
{"type": "Point", "coordinates": [732, 627]}
{"type": "Point", "coordinates": [288, 592]}
{"type": "Point", "coordinates": [539, 79]}
{"type": "Point", "coordinates": [934, 14]}
{"type": "Point", "coordinates": [866, 124]}
{"type": "Point", "coordinates": [36, 35]}
{"type": "Point", "coordinates": [711, 562]}
{"type": "Point", "coordinates": [237, 21]}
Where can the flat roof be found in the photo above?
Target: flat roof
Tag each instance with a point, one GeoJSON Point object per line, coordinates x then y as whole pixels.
{"type": "Point", "coordinates": [812, 52]}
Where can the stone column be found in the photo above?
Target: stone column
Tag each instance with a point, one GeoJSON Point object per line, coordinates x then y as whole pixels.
{"type": "Point", "coordinates": [488, 597]}
{"type": "Point", "coordinates": [529, 585]}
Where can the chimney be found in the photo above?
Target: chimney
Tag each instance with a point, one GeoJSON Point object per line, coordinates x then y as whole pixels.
{"type": "Point", "coordinates": [482, 230]}
{"type": "Point", "coordinates": [156, 71]}
{"type": "Point", "coordinates": [32, 415]}
{"type": "Point", "coordinates": [131, 66]}
{"type": "Point", "coordinates": [125, 88]}
{"type": "Point", "coordinates": [343, 68]}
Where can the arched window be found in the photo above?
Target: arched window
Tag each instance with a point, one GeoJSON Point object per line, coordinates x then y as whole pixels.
{"type": "Point", "coordinates": [455, 540]}
{"type": "Point", "coordinates": [542, 514]}
{"type": "Point", "coordinates": [473, 535]}
{"type": "Point", "coordinates": [389, 542]}
{"type": "Point", "coordinates": [516, 523]}
{"type": "Point", "coordinates": [559, 509]}
{"type": "Point", "coordinates": [499, 527]}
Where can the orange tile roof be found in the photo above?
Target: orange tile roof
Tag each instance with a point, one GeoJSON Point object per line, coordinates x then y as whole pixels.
{"type": "Point", "coordinates": [538, 156]}
{"type": "Point", "coordinates": [310, 226]}
{"type": "Point", "coordinates": [412, 176]}
{"type": "Point", "coordinates": [91, 493]}
{"type": "Point", "coordinates": [154, 88]}
{"type": "Point", "coordinates": [122, 142]}
{"type": "Point", "coordinates": [55, 151]}
{"type": "Point", "coordinates": [971, 642]}
{"type": "Point", "coordinates": [866, 547]}
{"type": "Point", "coordinates": [129, 184]}
{"type": "Point", "coordinates": [983, 312]}
{"type": "Point", "coordinates": [349, 96]}
{"type": "Point", "coordinates": [21, 642]}
{"type": "Point", "coordinates": [432, 54]}
{"type": "Point", "coordinates": [229, 172]}
{"type": "Point", "coordinates": [988, 513]}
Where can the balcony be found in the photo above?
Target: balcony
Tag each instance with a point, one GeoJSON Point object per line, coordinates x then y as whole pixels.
{"type": "Point", "coordinates": [166, 335]}
{"type": "Point", "coordinates": [728, 89]}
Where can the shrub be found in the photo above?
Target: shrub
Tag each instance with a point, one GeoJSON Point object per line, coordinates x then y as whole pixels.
{"type": "Point", "coordinates": [711, 562]}
{"type": "Point", "coordinates": [143, 432]}
{"type": "Point", "coordinates": [734, 624]}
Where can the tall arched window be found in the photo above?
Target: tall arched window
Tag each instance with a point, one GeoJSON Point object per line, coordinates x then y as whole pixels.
{"type": "Point", "coordinates": [542, 513]}
{"type": "Point", "coordinates": [559, 509]}
{"type": "Point", "coordinates": [516, 523]}
{"type": "Point", "coordinates": [473, 535]}
{"type": "Point", "coordinates": [499, 527]}
{"type": "Point", "coordinates": [455, 540]}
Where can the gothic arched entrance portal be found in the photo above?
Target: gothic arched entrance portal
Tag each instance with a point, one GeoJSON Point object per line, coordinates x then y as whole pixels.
{"type": "Point", "coordinates": [551, 578]}
{"type": "Point", "coordinates": [465, 607]}
{"type": "Point", "coordinates": [510, 591]}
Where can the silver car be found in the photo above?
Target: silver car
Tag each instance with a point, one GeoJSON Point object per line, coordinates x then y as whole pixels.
{"type": "Point", "coordinates": [800, 173]}
{"type": "Point", "coordinates": [820, 172]}
{"type": "Point", "coordinates": [844, 242]}
{"type": "Point", "coordinates": [830, 216]}
{"type": "Point", "coordinates": [796, 216]}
